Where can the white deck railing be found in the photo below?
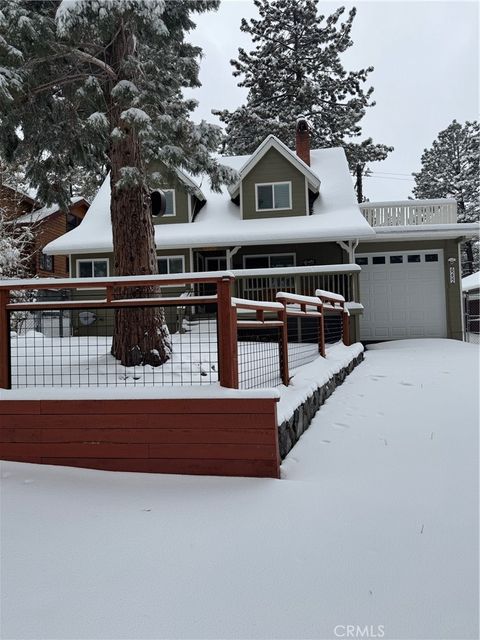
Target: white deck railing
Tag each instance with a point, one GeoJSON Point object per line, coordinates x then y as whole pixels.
{"type": "Point", "coordinates": [263, 284]}
{"type": "Point", "coordinates": [410, 212]}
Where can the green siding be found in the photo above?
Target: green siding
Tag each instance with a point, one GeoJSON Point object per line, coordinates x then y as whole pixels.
{"type": "Point", "coordinates": [453, 295]}
{"type": "Point", "coordinates": [273, 167]}
{"type": "Point", "coordinates": [105, 316]}
{"type": "Point", "coordinates": [181, 197]}
{"type": "Point", "coordinates": [181, 205]}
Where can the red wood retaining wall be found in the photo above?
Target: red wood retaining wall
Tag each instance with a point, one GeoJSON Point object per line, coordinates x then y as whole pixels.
{"type": "Point", "coordinates": [234, 437]}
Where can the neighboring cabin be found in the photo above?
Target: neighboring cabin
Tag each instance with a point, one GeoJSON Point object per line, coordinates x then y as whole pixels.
{"type": "Point", "coordinates": [297, 213]}
{"type": "Point", "coordinates": [47, 224]}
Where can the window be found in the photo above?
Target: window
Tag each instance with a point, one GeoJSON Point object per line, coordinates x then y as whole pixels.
{"type": "Point", "coordinates": [414, 258]}
{"type": "Point", "coordinates": [268, 261]}
{"type": "Point", "coordinates": [97, 268]}
{"type": "Point", "coordinates": [171, 264]}
{"type": "Point", "coordinates": [361, 261]}
{"type": "Point", "coordinates": [396, 259]}
{"type": "Point", "coordinates": [46, 262]}
{"type": "Point", "coordinates": [170, 204]}
{"type": "Point", "coordinates": [156, 199]}
{"type": "Point", "coordinates": [378, 260]}
{"type": "Point", "coordinates": [431, 257]}
{"type": "Point", "coordinates": [275, 196]}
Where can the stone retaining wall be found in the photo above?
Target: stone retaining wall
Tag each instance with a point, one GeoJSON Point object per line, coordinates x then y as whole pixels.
{"type": "Point", "coordinates": [290, 430]}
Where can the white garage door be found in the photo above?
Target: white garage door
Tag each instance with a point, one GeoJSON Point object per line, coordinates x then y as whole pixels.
{"type": "Point", "coordinates": [403, 294]}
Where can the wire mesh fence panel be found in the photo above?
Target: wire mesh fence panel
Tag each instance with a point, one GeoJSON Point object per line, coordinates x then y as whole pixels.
{"type": "Point", "coordinates": [472, 328]}
{"type": "Point", "coordinates": [82, 358]}
{"type": "Point", "coordinates": [303, 340]}
{"type": "Point", "coordinates": [259, 358]}
{"type": "Point", "coordinates": [333, 328]}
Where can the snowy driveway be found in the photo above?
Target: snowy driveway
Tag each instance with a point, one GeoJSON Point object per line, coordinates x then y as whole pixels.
{"type": "Point", "coordinates": [375, 524]}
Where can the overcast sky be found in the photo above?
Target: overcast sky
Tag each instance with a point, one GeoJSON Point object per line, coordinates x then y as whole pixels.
{"type": "Point", "coordinates": [426, 73]}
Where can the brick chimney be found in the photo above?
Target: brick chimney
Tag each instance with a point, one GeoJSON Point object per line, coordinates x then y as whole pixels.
{"type": "Point", "coordinates": [302, 139]}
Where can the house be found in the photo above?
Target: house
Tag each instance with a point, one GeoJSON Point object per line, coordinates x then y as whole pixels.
{"type": "Point", "coordinates": [47, 224]}
{"type": "Point", "coordinates": [291, 221]}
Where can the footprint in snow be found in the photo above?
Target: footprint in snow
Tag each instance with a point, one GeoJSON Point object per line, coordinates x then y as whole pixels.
{"type": "Point", "coordinates": [325, 441]}
{"type": "Point", "coordinates": [406, 384]}
{"type": "Point", "coordinates": [341, 425]}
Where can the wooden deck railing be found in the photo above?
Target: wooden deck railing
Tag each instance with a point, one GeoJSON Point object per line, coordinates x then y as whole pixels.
{"type": "Point", "coordinates": [267, 314]}
{"type": "Point", "coordinates": [410, 212]}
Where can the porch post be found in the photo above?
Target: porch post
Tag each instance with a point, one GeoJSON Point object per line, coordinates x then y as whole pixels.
{"type": "Point", "coordinates": [227, 337]}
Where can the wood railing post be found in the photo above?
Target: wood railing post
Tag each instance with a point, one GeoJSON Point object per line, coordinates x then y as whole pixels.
{"type": "Point", "coordinates": [346, 327]}
{"type": "Point", "coordinates": [283, 345]}
{"type": "Point", "coordinates": [321, 331]}
{"type": "Point", "coordinates": [234, 349]}
{"type": "Point", "coordinates": [5, 361]}
{"type": "Point", "coordinates": [227, 335]}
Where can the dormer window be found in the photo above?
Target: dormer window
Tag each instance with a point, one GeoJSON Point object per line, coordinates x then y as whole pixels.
{"type": "Point", "coordinates": [273, 196]}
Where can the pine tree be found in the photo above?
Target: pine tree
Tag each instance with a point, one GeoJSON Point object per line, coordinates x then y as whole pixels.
{"type": "Point", "coordinates": [295, 69]}
{"type": "Point", "coordinates": [451, 169]}
{"type": "Point", "coordinates": [16, 245]}
{"type": "Point", "coordinates": [98, 84]}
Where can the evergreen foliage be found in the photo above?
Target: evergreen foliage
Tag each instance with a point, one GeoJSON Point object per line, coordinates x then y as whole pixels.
{"type": "Point", "coordinates": [451, 169]}
{"type": "Point", "coordinates": [98, 84]}
{"type": "Point", "coordinates": [295, 69]}
{"type": "Point", "coordinates": [56, 88]}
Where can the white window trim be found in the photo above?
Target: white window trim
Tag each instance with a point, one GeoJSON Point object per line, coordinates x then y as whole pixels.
{"type": "Point", "coordinates": [269, 255]}
{"type": "Point", "coordinates": [182, 257]}
{"type": "Point", "coordinates": [272, 184]}
{"type": "Point", "coordinates": [170, 215]}
{"type": "Point", "coordinates": [92, 260]}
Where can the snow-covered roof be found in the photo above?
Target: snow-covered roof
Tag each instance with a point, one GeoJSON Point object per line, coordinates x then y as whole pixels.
{"type": "Point", "coordinates": [272, 142]}
{"type": "Point", "coordinates": [336, 215]}
{"type": "Point", "coordinates": [44, 212]}
{"type": "Point", "coordinates": [471, 282]}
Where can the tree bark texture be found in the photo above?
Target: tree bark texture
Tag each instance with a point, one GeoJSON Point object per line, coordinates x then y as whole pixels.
{"type": "Point", "coordinates": [140, 335]}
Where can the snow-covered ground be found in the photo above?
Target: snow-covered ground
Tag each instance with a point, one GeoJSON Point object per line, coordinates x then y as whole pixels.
{"type": "Point", "coordinates": [375, 524]}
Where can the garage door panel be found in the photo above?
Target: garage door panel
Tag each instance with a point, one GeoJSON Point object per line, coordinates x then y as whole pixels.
{"type": "Point", "coordinates": [403, 299]}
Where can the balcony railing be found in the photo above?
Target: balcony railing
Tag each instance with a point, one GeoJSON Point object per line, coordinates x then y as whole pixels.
{"type": "Point", "coordinates": [410, 212]}
{"type": "Point", "coordinates": [264, 284]}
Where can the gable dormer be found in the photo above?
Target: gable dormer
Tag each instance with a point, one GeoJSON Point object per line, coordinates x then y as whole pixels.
{"type": "Point", "coordinates": [182, 198]}
{"type": "Point", "coordinates": [274, 182]}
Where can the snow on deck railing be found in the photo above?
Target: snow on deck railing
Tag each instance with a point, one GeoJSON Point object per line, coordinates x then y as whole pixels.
{"type": "Point", "coordinates": [410, 212]}
{"type": "Point", "coordinates": [275, 340]}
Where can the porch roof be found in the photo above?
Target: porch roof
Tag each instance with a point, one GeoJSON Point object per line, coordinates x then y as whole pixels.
{"type": "Point", "coordinates": [336, 216]}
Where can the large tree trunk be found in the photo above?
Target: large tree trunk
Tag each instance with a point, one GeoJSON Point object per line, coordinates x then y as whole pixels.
{"type": "Point", "coordinates": [140, 335]}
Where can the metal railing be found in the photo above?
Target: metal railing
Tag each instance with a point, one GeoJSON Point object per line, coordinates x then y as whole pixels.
{"type": "Point", "coordinates": [410, 212]}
